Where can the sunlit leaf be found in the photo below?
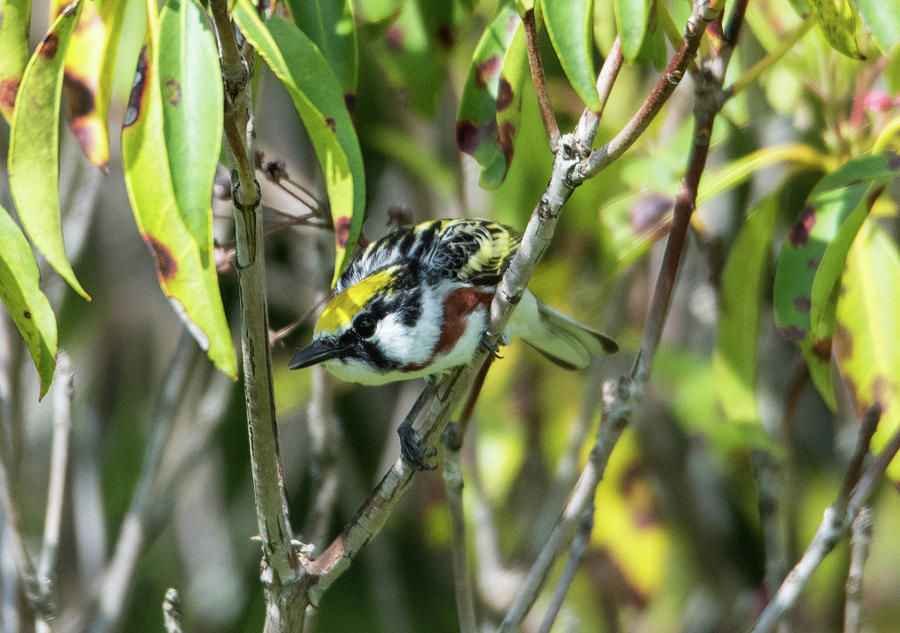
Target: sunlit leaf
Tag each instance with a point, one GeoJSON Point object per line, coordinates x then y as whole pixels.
{"type": "Point", "coordinates": [837, 19]}
{"type": "Point", "coordinates": [569, 26]}
{"type": "Point", "coordinates": [831, 203]}
{"type": "Point", "coordinates": [317, 96]}
{"type": "Point", "coordinates": [190, 82]}
{"type": "Point", "coordinates": [486, 95]}
{"type": "Point", "coordinates": [631, 18]}
{"type": "Point", "coordinates": [734, 359]}
{"type": "Point", "coordinates": [868, 311]}
{"type": "Point", "coordinates": [15, 22]}
{"type": "Point", "coordinates": [377, 10]}
{"type": "Point", "coordinates": [34, 145]}
{"type": "Point", "coordinates": [186, 275]}
{"type": "Point", "coordinates": [29, 308]}
{"type": "Point", "coordinates": [332, 26]}
{"type": "Point", "coordinates": [882, 19]}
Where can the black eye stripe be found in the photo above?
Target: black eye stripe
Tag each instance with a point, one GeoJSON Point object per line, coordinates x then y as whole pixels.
{"type": "Point", "coordinates": [365, 325]}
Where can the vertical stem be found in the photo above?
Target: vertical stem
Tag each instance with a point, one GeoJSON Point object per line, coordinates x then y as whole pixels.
{"type": "Point", "coordinates": [539, 81]}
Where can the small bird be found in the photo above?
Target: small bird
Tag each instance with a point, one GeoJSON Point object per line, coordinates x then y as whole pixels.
{"type": "Point", "coordinates": [417, 302]}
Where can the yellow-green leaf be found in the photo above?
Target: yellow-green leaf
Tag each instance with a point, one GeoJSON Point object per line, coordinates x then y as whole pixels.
{"type": "Point", "coordinates": [308, 79]}
{"type": "Point", "coordinates": [837, 19]}
{"type": "Point", "coordinates": [15, 20]}
{"type": "Point", "coordinates": [868, 311]}
{"type": "Point", "coordinates": [569, 23]}
{"type": "Point", "coordinates": [29, 308]}
{"type": "Point", "coordinates": [631, 19]}
{"type": "Point", "coordinates": [34, 145]}
{"type": "Point", "coordinates": [187, 277]}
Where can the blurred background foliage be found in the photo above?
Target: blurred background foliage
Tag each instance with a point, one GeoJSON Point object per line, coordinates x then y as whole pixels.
{"type": "Point", "coordinates": [678, 542]}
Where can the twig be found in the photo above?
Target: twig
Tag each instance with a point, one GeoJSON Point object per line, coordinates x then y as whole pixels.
{"type": "Point", "coordinates": [767, 485]}
{"type": "Point", "coordinates": [703, 13]}
{"type": "Point", "coordinates": [117, 579]}
{"type": "Point", "coordinates": [56, 487]}
{"type": "Point", "coordinates": [859, 552]}
{"type": "Point", "coordinates": [285, 608]}
{"type": "Point", "coordinates": [587, 126]}
{"type": "Point", "coordinates": [171, 608]}
{"type": "Point", "coordinates": [539, 81]}
{"type": "Point", "coordinates": [453, 487]}
{"type": "Point", "coordinates": [324, 451]}
{"type": "Point", "coordinates": [576, 552]}
{"type": "Point", "coordinates": [838, 519]}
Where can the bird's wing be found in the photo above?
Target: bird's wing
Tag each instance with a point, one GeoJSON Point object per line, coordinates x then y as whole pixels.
{"type": "Point", "coordinates": [475, 252]}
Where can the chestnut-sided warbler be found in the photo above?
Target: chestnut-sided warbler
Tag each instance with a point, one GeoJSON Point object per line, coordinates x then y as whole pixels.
{"type": "Point", "coordinates": [417, 302]}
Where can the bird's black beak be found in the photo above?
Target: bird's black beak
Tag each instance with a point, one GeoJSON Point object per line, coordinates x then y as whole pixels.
{"type": "Point", "coordinates": [316, 352]}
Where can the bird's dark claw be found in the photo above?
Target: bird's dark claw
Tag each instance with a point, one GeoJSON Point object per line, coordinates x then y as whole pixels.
{"type": "Point", "coordinates": [411, 449]}
{"type": "Point", "coordinates": [493, 348]}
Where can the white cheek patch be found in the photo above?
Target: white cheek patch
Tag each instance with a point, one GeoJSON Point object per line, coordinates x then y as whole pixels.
{"type": "Point", "coordinates": [411, 345]}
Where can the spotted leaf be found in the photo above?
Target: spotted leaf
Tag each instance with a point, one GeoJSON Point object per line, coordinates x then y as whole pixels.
{"type": "Point", "coordinates": [822, 233]}
{"type": "Point", "coordinates": [15, 20]}
{"type": "Point", "coordinates": [318, 98]}
{"type": "Point", "coordinates": [29, 308]}
{"type": "Point", "coordinates": [837, 19]}
{"type": "Point", "coordinates": [187, 276]}
{"type": "Point", "coordinates": [34, 145]}
{"type": "Point", "coordinates": [570, 26]}
{"type": "Point", "coordinates": [868, 311]}
{"type": "Point", "coordinates": [487, 95]}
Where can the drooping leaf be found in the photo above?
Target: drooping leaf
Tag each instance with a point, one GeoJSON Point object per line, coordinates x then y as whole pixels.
{"type": "Point", "coordinates": [569, 25]}
{"type": "Point", "coordinates": [192, 105]}
{"type": "Point", "coordinates": [486, 95]}
{"type": "Point", "coordinates": [375, 11]}
{"type": "Point", "coordinates": [29, 308]}
{"type": "Point", "coordinates": [15, 22]}
{"type": "Point", "coordinates": [868, 311]}
{"type": "Point", "coordinates": [837, 19]}
{"type": "Point", "coordinates": [317, 96]}
{"type": "Point", "coordinates": [89, 74]}
{"type": "Point", "coordinates": [831, 203]}
{"type": "Point", "coordinates": [34, 145]}
{"type": "Point", "coordinates": [332, 26]}
{"type": "Point", "coordinates": [631, 19]}
{"type": "Point", "coordinates": [186, 277]}
{"type": "Point", "coordinates": [734, 360]}
{"type": "Point", "coordinates": [515, 78]}
{"type": "Point", "coordinates": [882, 19]}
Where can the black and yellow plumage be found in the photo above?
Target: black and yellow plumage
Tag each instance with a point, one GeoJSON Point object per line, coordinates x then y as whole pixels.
{"type": "Point", "coordinates": [417, 301]}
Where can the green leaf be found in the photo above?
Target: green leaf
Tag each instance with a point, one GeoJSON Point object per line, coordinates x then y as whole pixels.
{"type": "Point", "coordinates": [569, 26]}
{"type": "Point", "coordinates": [832, 202]}
{"type": "Point", "coordinates": [332, 26]}
{"type": "Point", "coordinates": [29, 308]}
{"type": "Point", "coordinates": [837, 19]}
{"type": "Point", "coordinates": [190, 82]}
{"type": "Point", "coordinates": [34, 145]}
{"type": "Point", "coordinates": [185, 275]}
{"type": "Point", "coordinates": [631, 18]}
{"type": "Point", "coordinates": [734, 359]}
{"type": "Point", "coordinates": [882, 19]}
{"type": "Point", "coordinates": [15, 20]}
{"type": "Point", "coordinates": [486, 95]}
{"type": "Point", "coordinates": [375, 11]}
{"type": "Point", "coordinates": [868, 311]}
{"type": "Point", "coordinates": [306, 76]}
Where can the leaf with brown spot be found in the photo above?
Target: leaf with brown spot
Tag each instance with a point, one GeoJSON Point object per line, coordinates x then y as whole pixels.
{"type": "Point", "coordinates": [492, 97]}
{"type": "Point", "coordinates": [812, 258]}
{"type": "Point", "coordinates": [28, 306]}
{"type": "Point", "coordinates": [34, 148]}
{"type": "Point", "coordinates": [15, 22]}
{"type": "Point", "coordinates": [868, 312]}
{"type": "Point", "coordinates": [176, 223]}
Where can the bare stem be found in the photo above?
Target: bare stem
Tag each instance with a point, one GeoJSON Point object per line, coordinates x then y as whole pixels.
{"type": "Point", "coordinates": [576, 552]}
{"type": "Point", "coordinates": [171, 608]}
{"type": "Point", "coordinates": [539, 81]}
{"type": "Point", "coordinates": [859, 552]}
{"type": "Point", "coordinates": [590, 120]}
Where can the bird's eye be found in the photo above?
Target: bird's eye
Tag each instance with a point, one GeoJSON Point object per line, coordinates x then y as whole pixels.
{"type": "Point", "coordinates": [364, 326]}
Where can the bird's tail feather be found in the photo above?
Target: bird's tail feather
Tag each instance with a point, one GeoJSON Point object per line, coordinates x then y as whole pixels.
{"type": "Point", "coordinates": [557, 336]}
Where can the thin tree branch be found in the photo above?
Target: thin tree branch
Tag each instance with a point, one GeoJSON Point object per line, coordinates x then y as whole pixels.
{"type": "Point", "coordinates": [171, 608]}
{"type": "Point", "coordinates": [56, 486]}
{"type": "Point", "coordinates": [587, 126]}
{"type": "Point", "coordinates": [576, 552]}
{"type": "Point", "coordinates": [539, 81]}
{"type": "Point", "coordinates": [859, 552]}
{"type": "Point", "coordinates": [116, 581]}
{"type": "Point", "coordinates": [285, 606]}
{"type": "Point", "coordinates": [838, 519]}
{"type": "Point", "coordinates": [703, 13]}
{"type": "Point", "coordinates": [453, 487]}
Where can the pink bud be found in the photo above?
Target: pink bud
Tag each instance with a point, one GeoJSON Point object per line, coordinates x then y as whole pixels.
{"type": "Point", "coordinates": [878, 102]}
